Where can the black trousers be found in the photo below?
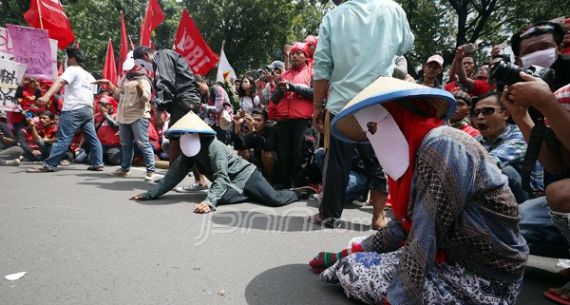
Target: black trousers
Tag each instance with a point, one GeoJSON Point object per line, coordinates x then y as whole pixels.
{"type": "Point", "coordinates": [289, 150]}
{"type": "Point", "coordinates": [338, 162]}
{"type": "Point", "coordinates": [258, 190]}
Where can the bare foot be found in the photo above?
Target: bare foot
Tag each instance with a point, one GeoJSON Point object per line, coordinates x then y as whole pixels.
{"type": "Point", "coordinates": [379, 221]}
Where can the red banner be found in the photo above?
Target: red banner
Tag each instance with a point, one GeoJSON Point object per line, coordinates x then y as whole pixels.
{"type": "Point", "coordinates": [190, 44]}
{"type": "Point", "coordinates": [49, 15]}
{"type": "Point", "coordinates": [153, 18]}
{"type": "Point", "coordinates": [110, 68]}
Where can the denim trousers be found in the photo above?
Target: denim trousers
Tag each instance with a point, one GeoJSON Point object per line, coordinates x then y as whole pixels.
{"type": "Point", "coordinates": [544, 230]}
{"type": "Point", "coordinates": [136, 133]}
{"type": "Point", "coordinates": [69, 123]}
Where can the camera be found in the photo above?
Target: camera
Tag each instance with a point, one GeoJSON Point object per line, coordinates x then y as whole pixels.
{"type": "Point", "coordinates": [508, 74]}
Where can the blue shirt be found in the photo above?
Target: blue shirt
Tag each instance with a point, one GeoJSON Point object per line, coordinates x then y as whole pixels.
{"type": "Point", "coordinates": [509, 149]}
{"type": "Point", "coordinates": [357, 43]}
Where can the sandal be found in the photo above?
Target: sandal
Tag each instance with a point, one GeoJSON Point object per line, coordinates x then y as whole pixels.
{"type": "Point", "coordinates": [559, 295]}
{"type": "Point", "coordinates": [42, 169]}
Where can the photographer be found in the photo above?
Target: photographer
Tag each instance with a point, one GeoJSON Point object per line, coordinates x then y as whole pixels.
{"type": "Point", "coordinates": [541, 45]}
{"type": "Point", "coordinates": [293, 98]}
{"type": "Point", "coordinates": [254, 133]}
{"type": "Point", "coordinates": [464, 66]}
{"type": "Point", "coordinates": [546, 234]}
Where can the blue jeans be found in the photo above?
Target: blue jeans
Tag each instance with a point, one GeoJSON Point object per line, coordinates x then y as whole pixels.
{"type": "Point", "coordinates": [541, 233]}
{"type": "Point", "coordinates": [136, 132]}
{"type": "Point", "coordinates": [515, 183]}
{"type": "Point", "coordinates": [69, 123]}
{"type": "Point", "coordinates": [357, 186]}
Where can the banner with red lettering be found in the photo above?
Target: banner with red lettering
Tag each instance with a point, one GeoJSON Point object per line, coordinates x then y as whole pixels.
{"type": "Point", "coordinates": [49, 15]}
{"type": "Point", "coordinates": [190, 44]}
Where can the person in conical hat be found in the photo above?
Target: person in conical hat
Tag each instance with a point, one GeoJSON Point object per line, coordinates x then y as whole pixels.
{"type": "Point", "coordinates": [234, 180]}
{"type": "Point", "coordinates": [454, 237]}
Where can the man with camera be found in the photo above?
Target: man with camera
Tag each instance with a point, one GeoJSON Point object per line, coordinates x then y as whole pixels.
{"type": "Point", "coordinates": [254, 133]}
{"type": "Point", "coordinates": [545, 221]}
{"type": "Point", "coordinates": [293, 97]}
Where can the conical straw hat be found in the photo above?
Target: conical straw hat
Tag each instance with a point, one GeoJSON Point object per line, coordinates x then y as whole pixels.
{"type": "Point", "coordinates": [383, 90]}
{"type": "Point", "coordinates": [190, 123]}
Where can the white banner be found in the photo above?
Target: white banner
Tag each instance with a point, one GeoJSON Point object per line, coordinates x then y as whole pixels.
{"type": "Point", "coordinates": [11, 74]}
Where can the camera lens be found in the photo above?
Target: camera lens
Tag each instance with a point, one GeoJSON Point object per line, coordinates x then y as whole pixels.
{"type": "Point", "coordinates": [506, 73]}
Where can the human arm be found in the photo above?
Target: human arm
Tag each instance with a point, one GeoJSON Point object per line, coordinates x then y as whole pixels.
{"type": "Point", "coordinates": [303, 90]}
{"type": "Point", "coordinates": [534, 92]}
{"type": "Point", "coordinates": [220, 180]}
{"type": "Point", "coordinates": [463, 77]}
{"type": "Point", "coordinates": [321, 88]}
{"type": "Point", "coordinates": [57, 85]}
{"type": "Point", "coordinates": [277, 94]}
{"type": "Point", "coordinates": [175, 174]}
{"type": "Point", "coordinates": [165, 77]}
{"type": "Point", "coordinates": [436, 208]}
{"type": "Point", "coordinates": [114, 90]}
{"type": "Point", "coordinates": [6, 135]}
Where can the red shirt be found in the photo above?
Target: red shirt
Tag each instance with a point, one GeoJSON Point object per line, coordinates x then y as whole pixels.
{"type": "Point", "coordinates": [50, 133]}
{"type": "Point", "coordinates": [108, 135]}
{"type": "Point", "coordinates": [480, 87]}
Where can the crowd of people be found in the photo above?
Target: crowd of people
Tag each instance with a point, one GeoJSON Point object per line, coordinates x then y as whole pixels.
{"type": "Point", "coordinates": [476, 172]}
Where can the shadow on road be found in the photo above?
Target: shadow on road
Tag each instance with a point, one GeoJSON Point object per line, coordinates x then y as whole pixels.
{"type": "Point", "coordinates": [292, 284]}
{"type": "Point", "coordinates": [266, 219]}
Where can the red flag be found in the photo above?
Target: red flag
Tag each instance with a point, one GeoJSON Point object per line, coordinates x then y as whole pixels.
{"type": "Point", "coordinates": [190, 44]}
{"type": "Point", "coordinates": [154, 16]}
{"type": "Point", "coordinates": [110, 68]}
{"type": "Point", "coordinates": [49, 15]}
{"type": "Point", "coordinates": [124, 50]}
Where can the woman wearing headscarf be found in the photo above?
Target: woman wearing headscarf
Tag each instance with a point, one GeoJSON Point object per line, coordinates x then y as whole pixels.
{"type": "Point", "coordinates": [454, 237]}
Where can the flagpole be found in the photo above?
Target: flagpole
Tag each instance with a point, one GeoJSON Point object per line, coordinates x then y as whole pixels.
{"type": "Point", "coordinates": [40, 14]}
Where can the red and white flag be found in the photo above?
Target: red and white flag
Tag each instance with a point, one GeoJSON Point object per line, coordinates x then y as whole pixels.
{"type": "Point", "coordinates": [153, 18]}
{"type": "Point", "coordinates": [190, 44]}
{"type": "Point", "coordinates": [110, 68]}
{"type": "Point", "coordinates": [49, 15]}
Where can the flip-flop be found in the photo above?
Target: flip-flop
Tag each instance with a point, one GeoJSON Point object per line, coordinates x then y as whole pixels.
{"type": "Point", "coordinates": [556, 297]}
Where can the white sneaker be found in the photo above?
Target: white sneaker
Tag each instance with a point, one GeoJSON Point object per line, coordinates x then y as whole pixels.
{"type": "Point", "coordinates": [192, 188]}
{"type": "Point", "coordinates": [152, 176]}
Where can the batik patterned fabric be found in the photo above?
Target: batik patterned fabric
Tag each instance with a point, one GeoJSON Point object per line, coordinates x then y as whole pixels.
{"type": "Point", "coordinates": [366, 276]}
{"type": "Point", "coordinates": [460, 206]}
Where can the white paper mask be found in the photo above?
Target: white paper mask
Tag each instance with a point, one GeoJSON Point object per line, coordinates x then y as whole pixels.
{"type": "Point", "coordinates": [387, 140]}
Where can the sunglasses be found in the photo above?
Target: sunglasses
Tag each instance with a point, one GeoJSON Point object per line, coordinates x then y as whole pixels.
{"type": "Point", "coordinates": [486, 111]}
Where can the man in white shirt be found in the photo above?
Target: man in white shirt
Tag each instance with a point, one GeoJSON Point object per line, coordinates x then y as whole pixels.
{"type": "Point", "coordinates": [76, 114]}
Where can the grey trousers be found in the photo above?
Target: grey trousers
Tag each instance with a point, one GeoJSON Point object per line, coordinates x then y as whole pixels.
{"type": "Point", "coordinates": [11, 153]}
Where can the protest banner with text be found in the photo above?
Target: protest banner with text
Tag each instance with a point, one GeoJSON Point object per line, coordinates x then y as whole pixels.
{"type": "Point", "coordinates": [190, 44]}
{"type": "Point", "coordinates": [11, 74]}
{"type": "Point", "coordinates": [31, 47]}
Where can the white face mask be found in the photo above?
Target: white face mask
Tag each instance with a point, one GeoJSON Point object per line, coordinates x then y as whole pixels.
{"type": "Point", "coordinates": [542, 58]}
{"type": "Point", "coordinates": [145, 64]}
{"type": "Point", "coordinates": [388, 141]}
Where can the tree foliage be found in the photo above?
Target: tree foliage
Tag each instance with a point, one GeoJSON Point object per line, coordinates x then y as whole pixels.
{"type": "Point", "coordinates": [255, 31]}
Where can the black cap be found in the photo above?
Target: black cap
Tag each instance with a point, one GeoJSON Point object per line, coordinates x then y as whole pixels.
{"type": "Point", "coordinates": [139, 52]}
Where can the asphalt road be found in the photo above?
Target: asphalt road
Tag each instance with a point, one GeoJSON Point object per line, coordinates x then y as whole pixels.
{"type": "Point", "coordinates": [81, 241]}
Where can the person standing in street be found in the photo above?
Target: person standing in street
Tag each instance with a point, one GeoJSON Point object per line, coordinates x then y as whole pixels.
{"type": "Point", "coordinates": [358, 41]}
{"type": "Point", "coordinates": [76, 114]}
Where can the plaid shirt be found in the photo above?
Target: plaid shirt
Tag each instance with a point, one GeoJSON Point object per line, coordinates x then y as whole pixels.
{"type": "Point", "coordinates": [509, 149]}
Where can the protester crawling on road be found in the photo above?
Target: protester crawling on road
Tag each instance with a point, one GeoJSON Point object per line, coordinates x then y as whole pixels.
{"type": "Point", "coordinates": [234, 180]}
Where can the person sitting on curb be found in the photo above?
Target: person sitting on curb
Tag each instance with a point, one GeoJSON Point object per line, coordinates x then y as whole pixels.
{"type": "Point", "coordinates": [234, 180]}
